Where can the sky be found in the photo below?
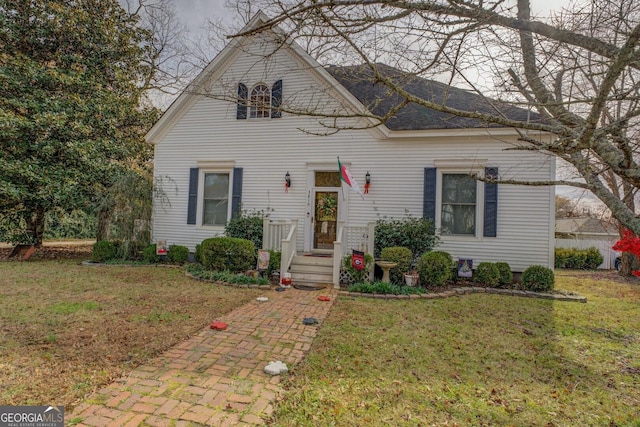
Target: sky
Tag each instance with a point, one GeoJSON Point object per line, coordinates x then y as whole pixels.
{"type": "Point", "coordinates": [195, 13]}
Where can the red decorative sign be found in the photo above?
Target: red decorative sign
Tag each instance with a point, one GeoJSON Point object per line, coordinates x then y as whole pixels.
{"type": "Point", "coordinates": [357, 260]}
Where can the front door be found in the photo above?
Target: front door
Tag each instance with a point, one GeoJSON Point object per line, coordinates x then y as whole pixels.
{"type": "Point", "coordinates": [325, 219]}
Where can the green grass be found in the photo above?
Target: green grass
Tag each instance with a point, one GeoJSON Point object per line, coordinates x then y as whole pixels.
{"type": "Point", "coordinates": [475, 360]}
{"type": "Point", "coordinates": [67, 329]}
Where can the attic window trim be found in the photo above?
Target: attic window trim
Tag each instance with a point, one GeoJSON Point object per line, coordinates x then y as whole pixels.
{"type": "Point", "coordinates": [259, 101]}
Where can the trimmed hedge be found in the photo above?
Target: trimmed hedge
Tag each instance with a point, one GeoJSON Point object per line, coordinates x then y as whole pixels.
{"type": "Point", "coordinates": [578, 259]}
{"type": "Point", "coordinates": [538, 278]}
{"type": "Point", "coordinates": [178, 254]}
{"type": "Point", "coordinates": [487, 273]}
{"type": "Point", "coordinates": [435, 268]}
{"type": "Point", "coordinates": [227, 253]}
{"type": "Point", "coordinates": [506, 275]}
{"type": "Point", "coordinates": [149, 254]}
{"type": "Point", "coordinates": [400, 255]}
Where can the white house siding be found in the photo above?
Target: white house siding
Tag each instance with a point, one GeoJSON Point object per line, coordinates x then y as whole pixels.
{"type": "Point", "coordinates": [268, 148]}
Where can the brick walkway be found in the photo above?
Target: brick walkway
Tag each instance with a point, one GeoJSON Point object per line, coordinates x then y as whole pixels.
{"type": "Point", "coordinates": [215, 378]}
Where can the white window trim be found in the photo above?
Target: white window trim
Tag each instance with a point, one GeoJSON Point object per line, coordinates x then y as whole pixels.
{"type": "Point", "coordinates": [210, 167]}
{"type": "Point", "coordinates": [251, 106]}
{"type": "Point", "coordinates": [461, 168]}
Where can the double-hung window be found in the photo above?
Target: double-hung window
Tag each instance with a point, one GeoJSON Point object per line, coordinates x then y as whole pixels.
{"type": "Point", "coordinates": [215, 206]}
{"type": "Point", "coordinates": [459, 204]}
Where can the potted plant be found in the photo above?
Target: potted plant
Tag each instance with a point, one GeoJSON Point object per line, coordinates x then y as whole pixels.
{"type": "Point", "coordinates": [411, 278]}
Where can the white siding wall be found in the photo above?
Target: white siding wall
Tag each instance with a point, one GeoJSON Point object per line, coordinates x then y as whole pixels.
{"type": "Point", "coordinates": [267, 149]}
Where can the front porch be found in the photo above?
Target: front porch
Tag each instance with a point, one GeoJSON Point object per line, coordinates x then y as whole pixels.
{"type": "Point", "coordinates": [315, 266]}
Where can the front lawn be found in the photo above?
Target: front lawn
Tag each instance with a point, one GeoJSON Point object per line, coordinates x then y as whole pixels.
{"type": "Point", "coordinates": [67, 329]}
{"type": "Point", "coordinates": [475, 360]}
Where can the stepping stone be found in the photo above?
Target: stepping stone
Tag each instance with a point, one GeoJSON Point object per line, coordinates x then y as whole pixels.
{"type": "Point", "coordinates": [276, 368]}
{"type": "Point", "coordinates": [219, 326]}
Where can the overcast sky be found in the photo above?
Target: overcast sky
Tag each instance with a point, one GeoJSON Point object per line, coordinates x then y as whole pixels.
{"type": "Point", "coordinates": [195, 13]}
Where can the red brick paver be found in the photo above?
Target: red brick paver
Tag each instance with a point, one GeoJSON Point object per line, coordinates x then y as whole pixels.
{"type": "Point", "coordinates": [216, 377]}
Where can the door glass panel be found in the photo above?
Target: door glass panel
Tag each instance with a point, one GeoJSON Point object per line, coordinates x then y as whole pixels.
{"type": "Point", "coordinates": [326, 219]}
{"type": "Point", "coordinates": [328, 179]}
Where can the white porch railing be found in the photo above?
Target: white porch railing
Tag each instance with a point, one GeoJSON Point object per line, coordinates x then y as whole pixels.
{"type": "Point", "coordinates": [273, 232]}
{"type": "Point", "coordinates": [337, 255]}
{"type": "Point", "coordinates": [288, 248]}
{"type": "Point", "coordinates": [281, 235]}
{"type": "Point", "coordinates": [348, 238]}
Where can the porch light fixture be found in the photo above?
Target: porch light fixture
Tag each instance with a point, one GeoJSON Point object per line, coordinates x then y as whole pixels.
{"type": "Point", "coordinates": [367, 182]}
{"type": "Point", "coordinates": [287, 182]}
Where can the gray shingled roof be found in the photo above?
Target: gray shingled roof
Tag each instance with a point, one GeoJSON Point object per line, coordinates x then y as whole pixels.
{"type": "Point", "coordinates": [379, 99]}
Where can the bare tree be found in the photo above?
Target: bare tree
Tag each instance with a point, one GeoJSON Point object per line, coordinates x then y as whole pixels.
{"type": "Point", "coordinates": [579, 71]}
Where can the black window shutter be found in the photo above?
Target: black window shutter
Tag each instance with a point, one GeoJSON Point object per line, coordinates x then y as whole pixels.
{"type": "Point", "coordinates": [236, 196]}
{"type": "Point", "coordinates": [192, 203]}
{"type": "Point", "coordinates": [490, 203]}
{"type": "Point", "coordinates": [429, 199]}
{"type": "Point", "coordinates": [276, 100]}
{"type": "Point", "coordinates": [243, 99]}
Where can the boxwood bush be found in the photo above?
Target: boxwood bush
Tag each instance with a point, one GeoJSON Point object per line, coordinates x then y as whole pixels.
{"type": "Point", "coordinates": [400, 255]}
{"type": "Point", "coordinates": [435, 268]}
{"type": "Point", "coordinates": [149, 254]}
{"type": "Point", "coordinates": [178, 254]}
{"type": "Point", "coordinates": [579, 259]}
{"type": "Point", "coordinates": [506, 275]}
{"type": "Point", "coordinates": [487, 273]}
{"type": "Point", "coordinates": [228, 253]}
{"type": "Point", "coordinates": [538, 278]}
{"type": "Point", "coordinates": [103, 250]}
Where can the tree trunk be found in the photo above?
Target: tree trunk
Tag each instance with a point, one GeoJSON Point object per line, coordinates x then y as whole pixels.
{"type": "Point", "coordinates": [102, 232]}
{"type": "Point", "coordinates": [35, 226]}
{"type": "Point", "coordinates": [629, 263]}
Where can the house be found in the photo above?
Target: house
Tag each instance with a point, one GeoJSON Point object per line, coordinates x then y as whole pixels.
{"type": "Point", "coordinates": [586, 232]}
{"type": "Point", "coordinates": [231, 142]}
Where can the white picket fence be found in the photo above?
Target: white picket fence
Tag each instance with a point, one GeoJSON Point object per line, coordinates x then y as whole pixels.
{"type": "Point", "coordinates": [604, 246]}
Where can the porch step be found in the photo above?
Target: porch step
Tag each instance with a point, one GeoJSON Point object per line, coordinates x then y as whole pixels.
{"type": "Point", "coordinates": [311, 269]}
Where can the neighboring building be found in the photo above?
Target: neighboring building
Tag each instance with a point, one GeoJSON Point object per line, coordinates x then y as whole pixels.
{"type": "Point", "coordinates": [229, 142]}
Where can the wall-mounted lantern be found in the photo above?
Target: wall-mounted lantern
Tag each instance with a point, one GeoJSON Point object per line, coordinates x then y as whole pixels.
{"type": "Point", "coordinates": [287, 182]}
{"type": "Point", "coordinates": [367, 182]}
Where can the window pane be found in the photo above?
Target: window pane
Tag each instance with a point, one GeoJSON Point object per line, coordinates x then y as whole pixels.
{"type": "Point", "coordinates": [328, 179]}
{"type": "Point", "coordinates": [458, 219]}
{"type": "Point", "coordinates": [215, 212]}
{"type": "Point", "coordinates": [216, 186]}
{"type": "Point", "coordinates": [458, 188]}
{"type": "Point", "coordinates": [260, 102]}
{"type": "Point", "coordinates": [458, 204]}
{"type": "Point", "coordinates": [216, 199]}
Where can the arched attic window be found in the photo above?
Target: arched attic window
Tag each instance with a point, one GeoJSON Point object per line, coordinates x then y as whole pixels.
{"type": "Point", "coordinates": [260, 102]}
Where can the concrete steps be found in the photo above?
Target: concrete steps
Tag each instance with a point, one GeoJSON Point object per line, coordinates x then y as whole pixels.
{"type": "Point", "coordinates": [311, 269]}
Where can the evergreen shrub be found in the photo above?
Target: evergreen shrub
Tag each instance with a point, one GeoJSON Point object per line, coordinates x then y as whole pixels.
{"type": "Point", "coordinates": [487, 273]}
{"type": "Point", "coordinates": [228, 253]}
{"type": "Point", "coordinates": [538, 278]}
{"type": "Point", "coordinates": [400, 255]}
{"type": "Point", "coordinates": [435, 268]}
